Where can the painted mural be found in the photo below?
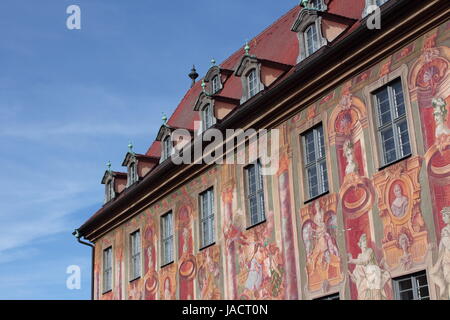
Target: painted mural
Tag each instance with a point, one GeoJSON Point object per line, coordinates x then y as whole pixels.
{"type": "Point", "coordinates": [375, 223]}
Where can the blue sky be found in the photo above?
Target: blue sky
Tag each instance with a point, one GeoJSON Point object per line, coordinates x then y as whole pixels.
{"type": "Point", "coordinates": [70, 100]}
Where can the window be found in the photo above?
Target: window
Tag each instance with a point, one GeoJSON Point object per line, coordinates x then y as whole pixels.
{"type": "Point", "coordinates": [330, 297]}
{"type": "Point", "coordinates": [315, 162]}
{"type": "Point", "coordinates": [135, 255]}
{"type": "Point", "coordinates": [252, 83]}
{"type": "Point", "coordinates": [166, 239]}
{"type": "Point", "coordinates": [311, 40]}
{"type": "Point", "coordinates": [107, 269]}
{"type": "Point", "coordinates": [215, 84]}
{"type": "Point", "coordinates": [132, 174]}
{"type": "Point", "coordinates": [392, 123]}
{"type": "Point", "coordinates": [369, 3]}
{"type": "Point", "coordinates": [412, 287]}
{"type": "Point", "coordinates": [207, 117]}
{"type": "Point", "coordinates": [167, 148]}
{"type": "Point", "coordinates": [207, 217]}
{"type": "Point", "coordinates": [255, 193]}
{"type": "Point", "coordinates": [109, 190]}
{"type": "Point", "coordinates": [380, 2]}
{"type": "Point", "coordinates": [317, 4]}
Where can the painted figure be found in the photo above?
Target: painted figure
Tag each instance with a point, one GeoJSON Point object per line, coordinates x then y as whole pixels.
{"type": "Point", "coordinates": [369, 278]}
{"type": "Point", "coordinates": [400, 203]}
{"type": "Point", "coordinates": [440, 115]}
{"type": "Point", "coordinates": [167, 293]}
{"type": "Point", "coordinates": [440, 272]}
{"type": "Point", "coordinates": [405, 244]}
{"type": "Point", "coordinates": [324, 247]}
{"type": "Point", "coordinates": [351, 167]}
{"type": "Point", "coordinates": [255, 273]}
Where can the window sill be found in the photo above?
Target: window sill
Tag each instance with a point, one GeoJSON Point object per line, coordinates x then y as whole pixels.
{"type": "Point", "coordinates": [167, 264]}
{"type": "Point", "coordinates": [137, 278]}
{"type": "Point", "coordinates": [316, 197]}
{"type": "Point", "coordinates": [256, 224]}
{"type": "Point", "coordinates": [394, 162]}
{"type": "Point", "coordinates": [207, 246]}
{"type": "Point", "coordinates": [106, 292]}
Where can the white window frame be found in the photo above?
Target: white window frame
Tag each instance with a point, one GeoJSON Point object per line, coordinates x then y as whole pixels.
{"type": "Point", "coordinates": [215, 84]}
{"type": "Point", "coordinates": [256, 195]}
{"type": "Point", "coordinates": [315, 39]}
{"type": "Point", "coordinates": [135, 255]}
{"type": "Point", "coordinates": [319, 162]}
{"type": "Point", "coordinates": [167, 239]}
{"type": "Point", "coordinates": [415, 286]}
{"type": "Point", "coordinates": [252, 83]}
{"type": "Point", "coordinates": [208, 119]}
{"type": "Point", "coordinates": [132, 173]}
{"type": "Point", "coordinates": [167, 147]}
{"type": "Point", "coordinates": [207, 214]}
{"type": "Point", "coordinates": [107, 280]}
{"type": "Point", "coordinates": [394, 124]}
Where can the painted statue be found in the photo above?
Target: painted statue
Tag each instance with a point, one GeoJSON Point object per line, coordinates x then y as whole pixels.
{"type": "Point", "coordinates": [440, 272]}
{"type": "Point", "coordinates": [405, 244]}
{"type": "Point", "coordinates": [255, 269]}
{"type": "Point", "coordinates": [369, 278]}
{"type": "Point", "coordinates": [440, 115]}
{"type": "Point", "coordinates": [400, 203]}
{"type": "Point", "coordinates": [324, 246]}
{"type": "Point", "coordinates": [351, 167]}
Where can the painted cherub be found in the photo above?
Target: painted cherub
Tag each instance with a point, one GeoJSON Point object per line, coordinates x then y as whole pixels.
{"type": "Point", "coordinates": [440, 117]}
{"type": "Point", "coordinates": [351, 167]}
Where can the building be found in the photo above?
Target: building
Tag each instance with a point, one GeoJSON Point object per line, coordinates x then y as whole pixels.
{"type": "Point", "coordinates": [359, 204]}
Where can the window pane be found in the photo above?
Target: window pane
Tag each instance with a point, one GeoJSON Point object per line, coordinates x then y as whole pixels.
{"type": "Point", "coordinates": [384, 108]}
{"type": "Point", "coordinates": [323, 177]}
{"type": "Point", "coordinates": [310, 148]}
{"type": "Point", "coordinates": [405, 148]}
{"type": "Point", "coordinates": [405, 284]}
{"type": "Point", "coordinates": [312, 182]}
{"type": "Point", "coordinates": [388, 143]}
{"type": "Point", "coordinates": [407, 295]}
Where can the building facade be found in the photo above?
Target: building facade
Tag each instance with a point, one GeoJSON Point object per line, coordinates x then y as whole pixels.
{"type": "Point", "coordinates": [359, 204]}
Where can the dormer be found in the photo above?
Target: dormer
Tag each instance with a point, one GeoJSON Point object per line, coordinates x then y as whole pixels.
{"type": "Point", "coordinates": [115, 183]}
{"type": "Point", "coordinates": [215, 78]}
{"type": "Point", "coordinates": [172, 139]}
{"type": "Point", "coordinates": [213, 108]}
{"type": "Point", "coordinates": [138, 165]}
{"type": "Point", "coordinates": [257, 74]}
{"type": "Point", "coordinates": [315, 27]}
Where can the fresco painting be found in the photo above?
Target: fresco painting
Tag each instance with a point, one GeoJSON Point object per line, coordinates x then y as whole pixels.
{"type": "Point", "coordinates": [260, 262]}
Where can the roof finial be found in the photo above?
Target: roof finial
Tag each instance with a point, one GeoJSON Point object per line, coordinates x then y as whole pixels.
{"type": "Point", "coordinates": [130, 147]}
{"type": "Point", "coordinates": [164, 119]}
{"type": "Point", "coordinates": [304, 3]}
{"type": "Point", "coordinates": [108, 166]}
{"type": "Point", "coordinates": [193, 75]}
{"type": "Point", "coordinates": [213, 62]}
{"type": "Point", "coordinates": [247, 48]}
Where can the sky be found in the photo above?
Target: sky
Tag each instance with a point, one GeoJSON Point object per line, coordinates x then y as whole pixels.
{"type": "Point", "coordinates": [72, 100]}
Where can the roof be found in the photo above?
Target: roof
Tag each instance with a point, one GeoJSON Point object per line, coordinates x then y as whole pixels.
{"type": "Point", "coordinates": [279, 36]}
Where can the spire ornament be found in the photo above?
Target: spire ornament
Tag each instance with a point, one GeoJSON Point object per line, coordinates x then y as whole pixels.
{"type": "Point", "coordinates": [247, 48]}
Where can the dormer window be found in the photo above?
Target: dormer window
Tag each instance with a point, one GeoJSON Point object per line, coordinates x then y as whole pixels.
{"type": "Point", "coordinates": [309, 30]}
{"type": "Point", "coordinates": [208, 118]}
{"type": "Point", "coordinates": [132, 174]}
{"type": "Point", "coordinates": [311, 39]}
{"type": "Point", "coordinates": [109, 191]}
{"type": "Point", "coordinates": [252, 83]}
{"type": "Point", "coordinates": [167, 148]}
{"type": "Point", "coordinates": [215, 84]}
